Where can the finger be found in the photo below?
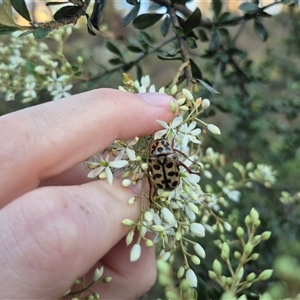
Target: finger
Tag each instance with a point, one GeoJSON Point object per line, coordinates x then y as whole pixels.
{"type": "Point", "coordinates": [130, 280]}
{"type": "Point", "coordinates": [53, 235]}
{"type": "Point", "coordinates": [43, 141]}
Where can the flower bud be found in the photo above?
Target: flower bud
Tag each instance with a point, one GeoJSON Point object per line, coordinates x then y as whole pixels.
{"type": "Point", "coordinates": [149, 243]}
{"type": "Point", "coordinates": [107, 279]}
{"type": "Point", "coordinates": [195, 259]}
{"type": "Point", "coordinates": [240, 232]}
{"type": "Point", "coordinates": [135, 252]}
{"type": "Point", "coordinates": [148, 216]}
{"type": "Point", "coordinates": [212, 275]}
{"type": "Point", "coordinates": [98, 274]}
{"type": "Point", "coordinates": [129, 237]}
{"type": "Point", "coordinates": [217, 267]}
{"type": "Point", "coordinates": [205, 103]}
{"type": "Point", "coordinates": [254, 216]}
{"type": "Point", "coordinates": [126, 182]}
{"type": "Point", "coordinates": [213, 129]}
{"type": "Point", "coordinates": [191, 278]}
{"type": "Point", "coordinates": [128, 222]}
{"type": "Point", "coordinates": [180, 272]}
{"type": "Point", "coordinates": [248, 249]}
{"type": "Point", "coordinates": [265, 235]}
{"type": "Point", "coordinates": [172, 106]}
{"type": "Point", "coordinates": [265, 275]}
{"type": "Point", "coordinates": [197, 229]}
{"type": "Point", "coordinates": [173, 90]}
{"type": "Point", "coordinates": [225, 251]}
{"type": "Point", "coordinates": [180, 101]}
{"type": "Point", "coordinates": [250, 277]}
{"type": "Point", "coordinates": [187, 94]}
{"type": "Point", "coordinates": [199, 250]}
{"type": "Point", "coordinates": [168, 216]}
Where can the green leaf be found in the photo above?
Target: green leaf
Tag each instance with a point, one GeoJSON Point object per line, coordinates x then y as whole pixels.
{"type": "Point", "coordinates": [249, 7]}
{"type": "Point", "coordinates": [145, 38]}
{"type": "Point", "coordinates": [197, 74]}
{"type": "Point", "coordinates": [7, 30]}
{"type": "Point", "coordinates": [134, 49]}
{"type": "Point", "coordinates": [21, 8]}
{"type": "Point", "coordinates": [41, 33]}
{"type": "Point", "coordinates": [132, 2]}
{"type": "Point", "coordinates": [115, 50]}
{"type": "Point", "coordinates": [260, 30]}
{"type": "Point", "coordinates": [65, 12]}
{"type": "Point", "coordinates": [217, 7]}
{"type": "Point", "coordinates": [194, 20]}
{"type": "Point", "coordinates": [202, 35]}
{"type": "Point", "coordinates": [215, 42]}
{"type": "Point", "coordinates": [115, 61]}
{"type": "Point", "coordinates": [169, 58]}
{"type": "Point", "coordinates": [131, 15]}
{"type": "Point", "coordinates": [208, 87]}
{"type": "Point", "coordinates": [144, 21]}
{"type": "Point", "coordinates": [178, 31]}
{"type": "Point", "coordinates": [192, 42]}
{"type": "Point", "coordinates": [97, 12]}
{"type": "Point", "coordinates": [165, 26]}
{"type": "Point", "coordinates": [6, 16]}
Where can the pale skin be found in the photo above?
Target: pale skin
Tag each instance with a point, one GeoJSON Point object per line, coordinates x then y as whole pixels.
{"type": "Point", "coordinates": [56, 225]}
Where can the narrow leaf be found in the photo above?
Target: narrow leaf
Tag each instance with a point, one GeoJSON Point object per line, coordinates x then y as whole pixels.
{"type": "Point", "coordinates": [260, 30]}
{"type": "Point", "coordinates": [192, 42]}
{"type": "Point", "coordinates": [97, 12]}
{"type": "Point", "coordinates": [208, 87]}
{"type": "Point", "coordinates": [145, 37]}
{"type": "Point", "coordinates": [249, 7]}
{"type": "Point", "coordinates": [112, 48]}
{"type": "Point", "coordinates": [144, 21]}
{"type": "Point", "coordinates": [194, 20]}
{"type": "Point", "coordinates": [165, 26]}
{"type": "Point", "coordinates": [132, 15]}
{"type": "Point", "coordinates": [65, 12]}
{"type": "Point", "coordinates": [197, 74]}
{"type": "Point", "coordinates": [21, 8]}
{"type": "Point", "coordinates": [217, 7]}
{"type": "Point", "coordinates": [134, 49]}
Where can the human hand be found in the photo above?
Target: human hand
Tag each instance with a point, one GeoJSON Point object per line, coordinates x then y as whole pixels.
{"type": "Point", "coordinates": [55, 224]}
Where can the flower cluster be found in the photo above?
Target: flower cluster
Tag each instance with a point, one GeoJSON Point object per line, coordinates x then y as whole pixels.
{"type": "Point", "coordinates": [29, 66]}
{"type": "Point", "coordinates": [171, 214]}
{"type": "Point", "coordinates": [177, 216]}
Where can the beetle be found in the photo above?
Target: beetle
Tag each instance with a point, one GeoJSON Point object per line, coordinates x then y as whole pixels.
{"type": "Point", "coordinates": [164, 165]}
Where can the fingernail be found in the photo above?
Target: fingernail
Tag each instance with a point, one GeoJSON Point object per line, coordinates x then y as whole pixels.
{"type": "Point", "coordinates": [156, 99]}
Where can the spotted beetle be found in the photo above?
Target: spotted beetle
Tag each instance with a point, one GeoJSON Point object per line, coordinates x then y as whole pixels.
{"type": "Point", "coordinates": [164, 165]}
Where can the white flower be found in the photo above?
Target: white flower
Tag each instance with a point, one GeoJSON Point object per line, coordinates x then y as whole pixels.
{"type": "Point", "coordinates": [61, 92]}
{"type": "Point", "coordinates": [125, 147]}
{"type": "Point", "coordinates": [105, 165]}
{"type": "Point", "coordinates": [188, 133]}
{"type": "Point", "coordinates": [56, 83]}
{"type": "Point", "coordinates": [170, 131]}
{"type": "Point", "coordinates": [264, 174]}
{"type": "Point", "coordinates": [233, 195]}
{"type": "Point", "coordinates": [30, 92]}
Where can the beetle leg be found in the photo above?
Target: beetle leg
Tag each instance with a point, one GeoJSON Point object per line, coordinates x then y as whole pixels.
{"type": "Point", "coordinates": [188, 169]}
{"type": "Point", "coordinates": [183, 154]}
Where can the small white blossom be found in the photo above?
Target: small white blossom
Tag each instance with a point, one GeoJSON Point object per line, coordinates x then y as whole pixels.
{"type": "Point", "coordinates": [105, 165]}
{"type": "Point", "coordinates": [188, 133]}
{"type": "Point", "coordinates": [61, 92]}
{"type": "Point", "coordinates": [170, 130]}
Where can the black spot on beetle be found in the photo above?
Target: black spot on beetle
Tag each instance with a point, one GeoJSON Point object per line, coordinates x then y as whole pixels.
{"type": "Point", "coordinates": [156, 167]}
{"type": "Point", "coordinates": [169, 165]}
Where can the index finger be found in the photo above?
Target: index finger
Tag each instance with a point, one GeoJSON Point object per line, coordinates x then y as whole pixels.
{"type": "Point", "coordinates": [43, 141]}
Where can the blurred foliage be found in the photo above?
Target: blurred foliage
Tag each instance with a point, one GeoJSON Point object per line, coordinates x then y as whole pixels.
{"type": "Point", "coordinates": [257, 108]}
